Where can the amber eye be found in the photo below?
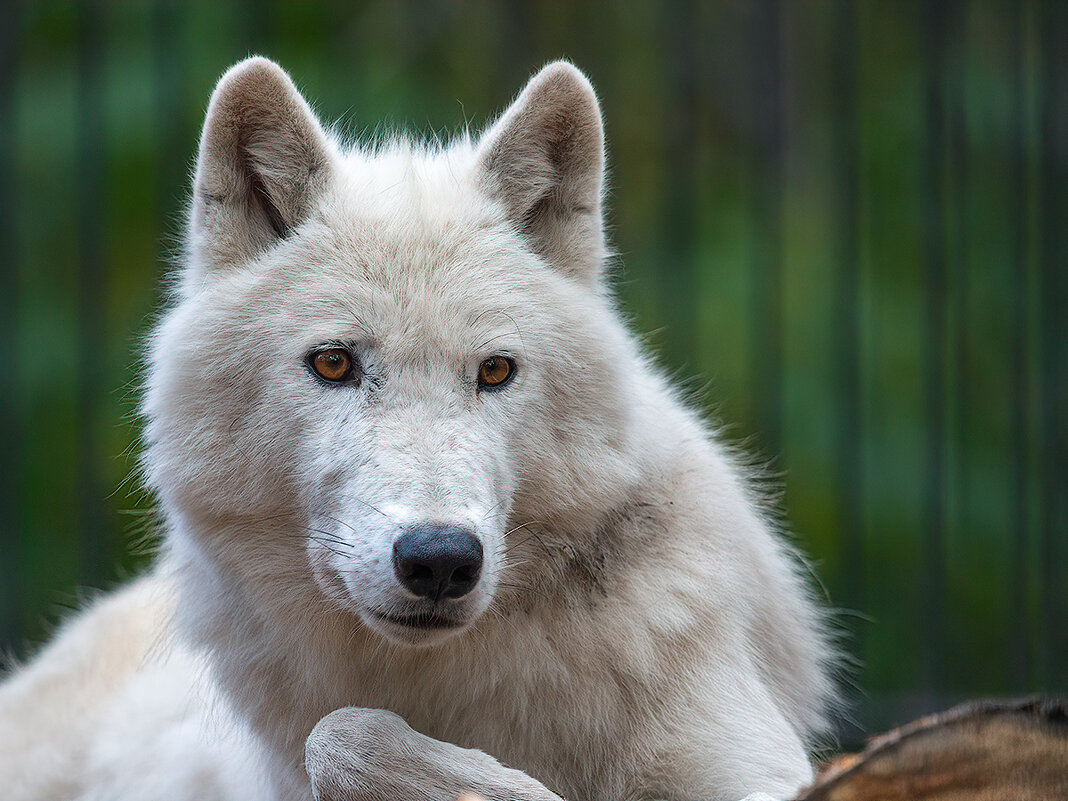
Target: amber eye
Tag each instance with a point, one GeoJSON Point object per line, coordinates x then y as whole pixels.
{"type": "Point", "coordinates": [333, 364]}
{"type": "Point", "coordinates": [495, 372]}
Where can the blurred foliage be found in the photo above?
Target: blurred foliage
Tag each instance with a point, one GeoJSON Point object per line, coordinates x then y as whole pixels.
{"type": "Point", "coordinates": [840, 220]}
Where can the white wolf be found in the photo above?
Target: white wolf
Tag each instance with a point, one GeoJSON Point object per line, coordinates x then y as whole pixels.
{"type": "Point", "coordinates": [414, 468]}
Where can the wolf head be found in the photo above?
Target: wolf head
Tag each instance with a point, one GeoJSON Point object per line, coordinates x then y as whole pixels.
{"type": "Point", "coordinates": [384, 368]}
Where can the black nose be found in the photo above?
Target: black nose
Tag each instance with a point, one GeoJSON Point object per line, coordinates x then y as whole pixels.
{"type": "Point", "coordinates": [437, 561]}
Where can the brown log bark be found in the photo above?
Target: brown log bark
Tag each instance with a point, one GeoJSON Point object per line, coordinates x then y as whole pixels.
{"type": "Point", "coordinates": [981, 751]}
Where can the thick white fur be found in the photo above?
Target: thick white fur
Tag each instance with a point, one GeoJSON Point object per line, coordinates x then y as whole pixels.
{"type": "Point", "coordinates": [639, 631]}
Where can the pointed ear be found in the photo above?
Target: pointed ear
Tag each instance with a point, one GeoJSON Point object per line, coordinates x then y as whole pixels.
{"type": "Point", "coordinates": [263, 160]}
{"type": "Point", "coordinates": [543, 160]}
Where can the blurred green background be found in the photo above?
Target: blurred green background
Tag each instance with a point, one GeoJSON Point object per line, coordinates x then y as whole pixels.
{"type": "Point", "coordinates": [843, 222]}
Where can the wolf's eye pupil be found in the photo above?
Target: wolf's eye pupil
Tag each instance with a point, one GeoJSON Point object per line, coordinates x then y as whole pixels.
{"type": "Point", "coordinates": [332, 365]}
{"type": "Point", "coordinates": [495, 371]}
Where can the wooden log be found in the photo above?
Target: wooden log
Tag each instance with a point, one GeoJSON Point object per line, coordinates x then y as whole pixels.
{"type": "Point", "coordinates": [979, 751]}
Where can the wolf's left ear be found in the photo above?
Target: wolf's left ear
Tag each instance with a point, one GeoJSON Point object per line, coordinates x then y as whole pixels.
{"type": "Point", "coordinates": [263, 160]}
{"type": "Point", "coordinates": [544, 161]}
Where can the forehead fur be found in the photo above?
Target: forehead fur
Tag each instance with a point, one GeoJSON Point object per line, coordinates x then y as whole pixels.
{"type": "Point", "coordinates": [408, 212]}
{"type": "Point", "coordinates": [425, 187]}
{"type": "Point", "coordinates": [407, 231]}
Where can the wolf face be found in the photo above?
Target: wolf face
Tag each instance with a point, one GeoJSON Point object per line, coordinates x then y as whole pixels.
{"type": "Point", "coordinates": [385, 368]}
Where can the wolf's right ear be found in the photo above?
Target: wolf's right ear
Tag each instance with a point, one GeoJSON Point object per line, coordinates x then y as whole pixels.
{"type": "Point", "coordinates": [263, 159]}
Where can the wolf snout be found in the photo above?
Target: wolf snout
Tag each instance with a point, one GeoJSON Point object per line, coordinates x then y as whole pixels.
{"type": "Point", "coordinates": [438, 561]}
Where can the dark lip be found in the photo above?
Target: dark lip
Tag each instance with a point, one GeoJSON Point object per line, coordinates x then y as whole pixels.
{"type": "Point", "coordinates": [423, 620]}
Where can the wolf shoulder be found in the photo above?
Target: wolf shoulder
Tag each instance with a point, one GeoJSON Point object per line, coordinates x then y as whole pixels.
{"type": "Point", "coordinates": [700, 651]}
{"type": "Point", "coordinates": [116, 707]}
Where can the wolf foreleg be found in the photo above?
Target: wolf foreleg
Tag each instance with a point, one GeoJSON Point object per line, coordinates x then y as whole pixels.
{"type": "Point", "coordinates": [373, 755]}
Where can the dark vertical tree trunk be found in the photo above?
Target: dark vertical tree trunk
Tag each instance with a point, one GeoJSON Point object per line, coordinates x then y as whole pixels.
{"type": "Point", "coordinates": [92, 219]}
{"type": "Point", "coordinates": [1053, 192]}
{"type": "Point", "coordinates": [10, 444]}
{"type": "Point", "coordinates": [847, 301]}
{"type": "Point", "coordinates": [768, 125]}
{"type": "Point", "coordinates": [933, 208]}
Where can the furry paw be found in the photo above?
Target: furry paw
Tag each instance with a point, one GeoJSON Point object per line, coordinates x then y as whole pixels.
{"type": "Point", "coordinates": [373, 755]}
